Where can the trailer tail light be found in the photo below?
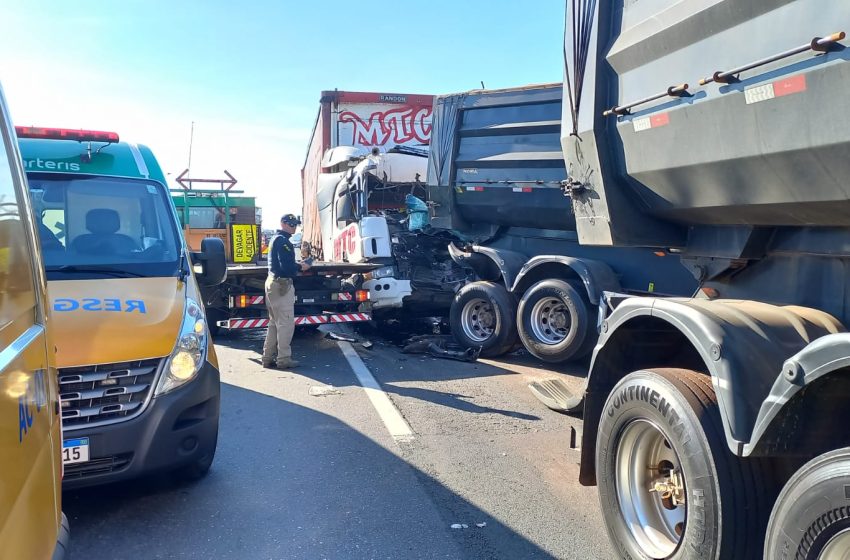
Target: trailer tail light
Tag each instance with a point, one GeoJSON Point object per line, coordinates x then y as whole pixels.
{"type": "Point", "coordinates": [66, 134]}
{"type": "Point", "coordinates": [362, 295]}
{"type": "Point", "coordinates": [241, 301]}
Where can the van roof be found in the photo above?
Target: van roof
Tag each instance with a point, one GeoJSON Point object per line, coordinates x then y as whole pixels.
{"type": "Point", "coordinates": [119, 159]}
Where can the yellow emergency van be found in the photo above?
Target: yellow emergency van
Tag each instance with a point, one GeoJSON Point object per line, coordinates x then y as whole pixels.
{"type": "Point", "coordinates": [138, 376]}
{"type": "Point", "coordinates": [32, 525]}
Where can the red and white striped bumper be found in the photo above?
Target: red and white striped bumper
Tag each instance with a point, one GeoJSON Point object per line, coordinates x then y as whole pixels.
{"type": "Point", "coordinates": [299, 320]}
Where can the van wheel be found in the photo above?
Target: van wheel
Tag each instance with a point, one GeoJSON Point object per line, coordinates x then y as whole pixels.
{"type": "Point", "coordinates": [671, 487]}
{"type": "Point", "coordinates": [556, 322]}
{"type": "Point", "coordinates": [483, 315]}
{"type": "Point", "coordinates": [199, 468]}
{"type": "Point", "coordinates": [811, 518]}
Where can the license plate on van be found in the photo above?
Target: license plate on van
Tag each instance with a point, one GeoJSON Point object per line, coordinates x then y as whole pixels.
{"type": "Point", "coordinates": [75, 451]}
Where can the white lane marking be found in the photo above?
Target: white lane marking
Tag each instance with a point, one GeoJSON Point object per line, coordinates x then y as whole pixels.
{"type": "Point", "coordinates": [396, 424]}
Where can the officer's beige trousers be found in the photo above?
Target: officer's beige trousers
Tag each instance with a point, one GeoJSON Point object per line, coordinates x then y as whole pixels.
{"type": "Point", "coordinates": [280, 302]}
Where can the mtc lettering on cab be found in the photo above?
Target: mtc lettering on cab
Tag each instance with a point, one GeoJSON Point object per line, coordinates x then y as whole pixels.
{"type": "Point", "coordinates": [95, 304]}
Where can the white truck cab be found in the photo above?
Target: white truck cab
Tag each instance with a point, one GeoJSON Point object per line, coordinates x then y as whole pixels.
{"type": "Point", "coordinates": [370, 192]}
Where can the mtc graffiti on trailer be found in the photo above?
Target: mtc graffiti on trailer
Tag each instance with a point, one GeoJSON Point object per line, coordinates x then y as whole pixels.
{"type": "Point", "coordinates": [400, 125]}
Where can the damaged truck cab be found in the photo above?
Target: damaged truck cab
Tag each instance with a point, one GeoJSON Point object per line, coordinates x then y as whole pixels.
{"type": "Point", "coordinates": [717, 131]}
{"type": "Point", "coordinates": [378, 215]}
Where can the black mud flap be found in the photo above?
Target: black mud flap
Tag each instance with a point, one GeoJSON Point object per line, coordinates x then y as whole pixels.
{"type": "Point", "coordinates": [555, 394]}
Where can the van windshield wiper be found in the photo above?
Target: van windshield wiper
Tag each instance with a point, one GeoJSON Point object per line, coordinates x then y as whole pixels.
{"type": "Point", "coordinates": [100, 269]}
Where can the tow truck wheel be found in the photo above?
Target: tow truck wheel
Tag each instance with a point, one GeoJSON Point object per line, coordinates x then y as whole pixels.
{"type": "Point", "coordinates": [555, 321]}
{"type": "Point", "coordinates": [666, 478]}
{"type": "Point", "coordinates": [811, 518]}
{"type": "Point", "coordinates": [483, 315]}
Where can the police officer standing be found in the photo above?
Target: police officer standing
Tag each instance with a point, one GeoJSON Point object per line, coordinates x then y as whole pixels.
{"type": "Point", "coordinates": [280, 296]}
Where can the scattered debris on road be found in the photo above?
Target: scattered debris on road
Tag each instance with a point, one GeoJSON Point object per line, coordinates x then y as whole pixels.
{"type": "Point", "coordinates": [440, 346]}
{"type": "Point", "coordinates": [323, 390]}
{"type": "Point", "coordinates": [340, 337]}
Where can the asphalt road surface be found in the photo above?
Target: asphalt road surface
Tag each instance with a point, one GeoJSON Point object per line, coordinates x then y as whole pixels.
{"type": "Point", "coordinates": [312, 465]}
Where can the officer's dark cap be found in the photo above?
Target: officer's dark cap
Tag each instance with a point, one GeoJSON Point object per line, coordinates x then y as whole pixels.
{"type": "Point", "coordinates": [290, 220]}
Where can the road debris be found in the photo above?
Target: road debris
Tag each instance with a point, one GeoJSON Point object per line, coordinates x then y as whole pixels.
{"type": "Point", "coordinates": [440, 346]}
{"type": "Point", "coordinates": [460, 526]}
{"type": "Point", "coordinates": [340, 337]}
{"type": "Point", "coordinates": [323, 390]}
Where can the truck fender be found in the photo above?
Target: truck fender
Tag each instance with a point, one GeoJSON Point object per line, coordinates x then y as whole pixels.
{"type": "Point", "coordinates": [493, 265]}
{"type": "Point", "coordinates": [596, 276]}
{"type": "Point", "coordinates": [786, 418]}
{"type": "Point", "coordinates": [743, 345]}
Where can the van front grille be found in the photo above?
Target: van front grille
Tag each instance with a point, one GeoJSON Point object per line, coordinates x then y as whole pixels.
{"type": "Point", "coordinates": [105, 393]}
{"type": "Point", "coordinates": [104, 465]}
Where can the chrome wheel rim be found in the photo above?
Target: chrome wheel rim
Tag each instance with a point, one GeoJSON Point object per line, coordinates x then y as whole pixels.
{"type": "Point", "coordinates": [838, 547]}
{"type": "Point", "coordinates": [478, 320]}
{"type": "Point", "coordinates": [550, 320]}
{"type": "Point", "coordinates": [650, 489]}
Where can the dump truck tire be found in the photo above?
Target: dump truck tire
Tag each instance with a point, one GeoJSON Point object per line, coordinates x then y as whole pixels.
{"type": "Point", "coordinates": [483, 315]}
{"type": "Point", "coordinates": [556, 322]}
{"type": "Point", "coordinates": [669, 484]}
{"type": "Point", "coordinates": [811, 518]}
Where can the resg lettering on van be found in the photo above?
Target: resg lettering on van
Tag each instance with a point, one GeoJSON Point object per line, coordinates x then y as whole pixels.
{"type": "Point", "coordinates": [97, 304]}
{"type": "Point", "coordinates": [51, 165]}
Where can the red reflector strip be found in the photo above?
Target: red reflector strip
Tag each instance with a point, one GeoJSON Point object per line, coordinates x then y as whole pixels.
{"type": "Point", "coordinates": [311, 320]}
{"type": "Point", "coordinates": [781, 88]}
{"type": "Point", "coordinates": [654, 121]}
{"type": "Point", "coordinates": [662, 119]}
{"type": "Point", "coordinates": [475, 189]}
{"type": "Point", "coordinates": [522, 189]}
{"type": "Point", "coordinates": [300, 320]}
{"type": "Point", "coordinates": [342, 296]}
{"type": "Point", "coordinates": [244, 323]}
{"type": "Point", "coordinates": [788, 86]}
{"type": "Point", "coordinates": [349, 317]}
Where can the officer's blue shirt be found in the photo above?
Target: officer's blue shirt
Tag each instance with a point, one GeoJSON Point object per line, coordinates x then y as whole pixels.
{"type": "Point", "coordinates": [282, 256]}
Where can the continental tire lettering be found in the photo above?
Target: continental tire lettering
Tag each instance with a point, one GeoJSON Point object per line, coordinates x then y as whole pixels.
{"type": "Point", "coordinates": [696, 512]}
{"type": "Point", "coordinates": [656, 401]}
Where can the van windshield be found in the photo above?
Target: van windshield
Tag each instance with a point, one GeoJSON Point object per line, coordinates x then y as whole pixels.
{"type": "Point", "coordinates": [97, 227]}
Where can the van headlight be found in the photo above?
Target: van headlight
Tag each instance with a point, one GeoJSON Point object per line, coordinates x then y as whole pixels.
{"type": "Point", "coordinates": [189, 353]}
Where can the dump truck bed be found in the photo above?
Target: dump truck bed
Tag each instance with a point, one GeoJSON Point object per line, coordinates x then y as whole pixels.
{"type": "Point", "coordinates": [748, 125]}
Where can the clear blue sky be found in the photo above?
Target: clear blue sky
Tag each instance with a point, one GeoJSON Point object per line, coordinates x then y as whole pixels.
{"type": "Point", "coordinates": [249, 73]}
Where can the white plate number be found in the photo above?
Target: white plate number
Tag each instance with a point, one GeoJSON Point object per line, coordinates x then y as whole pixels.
{"type": "Point", "coordinates": [75, 451]}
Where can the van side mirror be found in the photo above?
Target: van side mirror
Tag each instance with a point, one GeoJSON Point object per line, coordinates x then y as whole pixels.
{"type": "Point", "coordinates": [213, 262]}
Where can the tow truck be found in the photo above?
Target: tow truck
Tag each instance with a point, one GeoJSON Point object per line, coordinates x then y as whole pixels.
{"type": "Point", "coordinates": [329, 292]}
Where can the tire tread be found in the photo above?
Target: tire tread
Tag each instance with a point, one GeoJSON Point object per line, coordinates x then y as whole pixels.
{"type": "Point", "coordinates": [750, 479]}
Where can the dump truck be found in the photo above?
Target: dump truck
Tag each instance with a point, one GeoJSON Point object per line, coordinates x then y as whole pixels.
{"type": "Point", "coordinates": [495, 181]}
{"type": "Point", "coordinates": [327, 293]}
{"type": "Point", "coordinates": [716, 426]}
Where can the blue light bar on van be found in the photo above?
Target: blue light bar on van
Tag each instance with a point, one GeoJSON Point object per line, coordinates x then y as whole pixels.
{"type": "Point", "coordinates": [66, 134]}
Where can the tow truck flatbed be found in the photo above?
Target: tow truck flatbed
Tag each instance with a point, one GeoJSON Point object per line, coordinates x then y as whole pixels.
{"type": "Point", "coordinates": [323, 267]}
